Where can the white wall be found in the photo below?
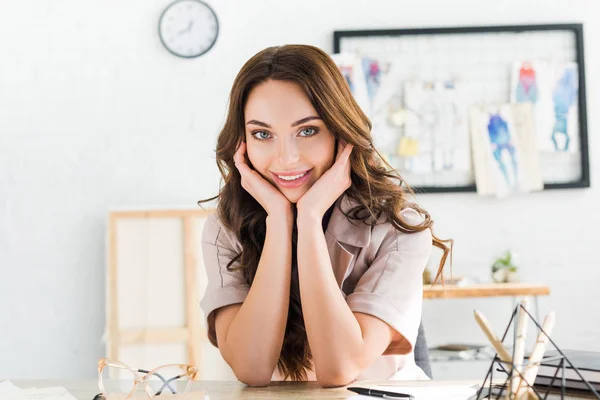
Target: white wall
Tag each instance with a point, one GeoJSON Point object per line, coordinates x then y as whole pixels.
{"type": "Point", "coordinates": [95, 114]}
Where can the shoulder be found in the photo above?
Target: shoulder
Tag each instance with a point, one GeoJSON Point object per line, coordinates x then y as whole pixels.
{"type": "Point", "coordinates": [412, 216]}
{"type": "Point", "coordinates": [420, 240]}
{"type": "Point", "coordinates": [215, 233]}
{"type": "Point", "coordinates": [386, 235]}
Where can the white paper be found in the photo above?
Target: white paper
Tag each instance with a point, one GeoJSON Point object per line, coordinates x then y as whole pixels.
{"type": "Point", "coordinates": [7, 388]}
{"type": "Point", "coordinates": [8, 391]}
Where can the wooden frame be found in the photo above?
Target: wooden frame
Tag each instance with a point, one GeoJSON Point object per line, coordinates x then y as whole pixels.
{"type": "Point", "coordinates": [576, 29]}
{"type": "Point", "coordinates": [190, 334]}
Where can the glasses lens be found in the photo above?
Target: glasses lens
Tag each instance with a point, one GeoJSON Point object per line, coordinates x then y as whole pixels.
{"type": "Point", "coordinates": [168, 379]}
{"type": "Point", "coordinates": [116, 380]}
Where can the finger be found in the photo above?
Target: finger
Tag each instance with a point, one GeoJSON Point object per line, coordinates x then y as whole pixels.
{"type": "Point", "coordinates": [239, 160]}
{"type": "Point", "coordinates": [348, 169]}
{"type": "Point", "coordinates": [346, 153]}
{"type": "Point", "coordinates": [239, 153]}
{"type": "Point", "coordinates": [244, 168]}
{"type": "Point", "coordinates": [246, 174]}
{"type": "Point", "coordinates": [340, 149]}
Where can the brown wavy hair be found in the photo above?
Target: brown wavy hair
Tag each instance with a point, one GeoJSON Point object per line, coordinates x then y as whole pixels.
{"type": "Point", "coordinates": [376, 187]}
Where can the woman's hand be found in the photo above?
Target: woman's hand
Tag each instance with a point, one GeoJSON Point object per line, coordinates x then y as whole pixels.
{"type": "Point", "coordinates": [271, 199]}
{"type": "Point", "coordinates": [325, 191]}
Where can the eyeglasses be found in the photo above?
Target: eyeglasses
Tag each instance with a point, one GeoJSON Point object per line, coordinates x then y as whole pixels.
{"type": "Point", "coordinates": [116, 378]}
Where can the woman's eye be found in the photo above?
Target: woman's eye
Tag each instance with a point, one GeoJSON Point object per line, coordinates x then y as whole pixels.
{"type": "Point", "coordinates": [261, 135]}
{"type": "Point", "coordinates": [308, 132]}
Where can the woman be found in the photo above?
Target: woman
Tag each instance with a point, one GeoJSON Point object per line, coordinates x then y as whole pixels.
{"type": "Point", "coordinates": [315, 257]}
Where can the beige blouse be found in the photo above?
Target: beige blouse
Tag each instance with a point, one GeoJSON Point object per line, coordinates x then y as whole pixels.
{"type": "Point", "coordinates": [379, 271]}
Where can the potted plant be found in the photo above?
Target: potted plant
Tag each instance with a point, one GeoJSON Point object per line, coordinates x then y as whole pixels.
{"type": "Point", "coordinates": [504, 269]}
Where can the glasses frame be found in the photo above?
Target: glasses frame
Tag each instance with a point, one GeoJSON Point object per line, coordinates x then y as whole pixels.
{"type": "Point", "coordinates": [142, 375]}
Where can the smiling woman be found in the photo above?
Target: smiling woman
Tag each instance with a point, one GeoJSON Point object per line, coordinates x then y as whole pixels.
{"type": "Point", "coordinates": [287, 142]}
{"type": "Point", "coordinates": [315, 256]}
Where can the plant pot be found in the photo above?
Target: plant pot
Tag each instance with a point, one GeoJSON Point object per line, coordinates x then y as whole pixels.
{"type": "Point", "coordinates": [505, 275]}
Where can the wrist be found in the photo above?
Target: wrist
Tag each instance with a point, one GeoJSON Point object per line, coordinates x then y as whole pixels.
{"type": "Point", "coordinates": [309, 217]}
{"type": "Point", "coordinates": [282, 219]}
{"type": "Point", "coordinates": [308, 210]}
{"type": "Point", "coordinates": [283, 209]}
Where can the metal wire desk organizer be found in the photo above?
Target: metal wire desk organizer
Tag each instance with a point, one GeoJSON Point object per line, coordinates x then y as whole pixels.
{"type": "Point", "coordinates": [518, 373]}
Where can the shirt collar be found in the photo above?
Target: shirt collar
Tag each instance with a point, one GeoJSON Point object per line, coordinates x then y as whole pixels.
{"type": "Point", "coordinates": [347, 231]}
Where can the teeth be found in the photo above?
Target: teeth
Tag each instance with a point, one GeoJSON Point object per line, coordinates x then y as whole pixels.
{"type": "Point", "coordinates": [291, 178]}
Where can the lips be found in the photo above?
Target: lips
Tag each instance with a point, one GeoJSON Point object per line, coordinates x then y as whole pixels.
{"type": "Point", "coordinates": [291, 179]}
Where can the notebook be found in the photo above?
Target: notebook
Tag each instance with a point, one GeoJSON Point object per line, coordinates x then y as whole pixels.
{"type": "Point", "coordinates": [587, 362]}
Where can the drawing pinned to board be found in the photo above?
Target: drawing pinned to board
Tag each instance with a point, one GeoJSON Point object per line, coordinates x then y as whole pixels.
{"type": "Point", "coordinates": [553, 88]}
{"type": "Point", "coordinates": [350, 65]}
{"type": "Point", "coordinates": [372, 85]}
{"type": "Point", "coordinates": [372, 69]}
{"type": "Point", "coordinates": [382, 82]}
{"type": "Point", "coordinates": [436, 134]}
{"type": "Point", "coordinates": [504, 150]}
{"type": "Point", "coordinates": [527, 89]}
{"type": "Point", "coordinates": [564, 97]}
{"type": "Point", "coordinates": [555, 115]}
{"type": "Point", "coordinates": [502, 141]}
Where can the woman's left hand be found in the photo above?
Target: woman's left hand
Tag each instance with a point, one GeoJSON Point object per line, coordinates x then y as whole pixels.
{"type": "Point", "coordinates": [325, 191]}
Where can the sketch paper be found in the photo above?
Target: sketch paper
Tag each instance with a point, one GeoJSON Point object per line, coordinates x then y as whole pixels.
{"type": "Point", "coordinates": [504, 152]}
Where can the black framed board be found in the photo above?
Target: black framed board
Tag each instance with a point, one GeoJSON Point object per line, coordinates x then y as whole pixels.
{"type": "Point", "coordinates": [474, 108]}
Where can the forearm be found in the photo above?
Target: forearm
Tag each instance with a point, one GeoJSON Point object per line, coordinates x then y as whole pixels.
{"type": "Point", "coordinates": [333, 332]}
{"type": "Point", "coordinates": [255, 335]}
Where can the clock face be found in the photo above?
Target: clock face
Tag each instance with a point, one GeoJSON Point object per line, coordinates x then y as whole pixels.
{"type": "Point", "coordinates": [188, 28]}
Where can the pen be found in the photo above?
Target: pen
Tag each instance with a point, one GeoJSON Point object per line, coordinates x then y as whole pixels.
{"type": "Point", "coordinates": [380, 393]}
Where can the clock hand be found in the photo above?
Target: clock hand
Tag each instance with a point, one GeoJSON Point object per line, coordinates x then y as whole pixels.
{"type": "Point", "coordinates": [189, 28]}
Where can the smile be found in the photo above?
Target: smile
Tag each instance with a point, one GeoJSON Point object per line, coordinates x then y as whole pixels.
{"type": "Point", "coordinates": [292, 179]}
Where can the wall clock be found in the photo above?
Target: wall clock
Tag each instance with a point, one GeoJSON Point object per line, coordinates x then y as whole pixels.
{"type": "Point", "coordinates": [188, 28]}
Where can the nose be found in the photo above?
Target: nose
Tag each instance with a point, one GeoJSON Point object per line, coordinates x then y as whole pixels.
{"type": "Point", "coordinates": [289, 153]}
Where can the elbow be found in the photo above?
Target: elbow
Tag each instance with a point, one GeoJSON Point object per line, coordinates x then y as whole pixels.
{"type": "Point", "coordinates": [253, 376]}
{"type": "Point", "coordinates": [255, 381]}
{"type": "Point", "coordinates": [249, 372]}
{"type": "Point", "coordinates": [336, 378]}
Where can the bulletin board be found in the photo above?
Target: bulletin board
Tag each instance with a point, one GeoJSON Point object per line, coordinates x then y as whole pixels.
{"type": "Point", "coordinates": [419, 88]}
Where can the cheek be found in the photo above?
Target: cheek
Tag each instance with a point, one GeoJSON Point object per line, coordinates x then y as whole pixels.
{"type": "Point", "coordinates": [321, 154]}
{"type": "Point", "coordinates": [324, 158]}
{"type": "Point", "coordinates": [257, 154]}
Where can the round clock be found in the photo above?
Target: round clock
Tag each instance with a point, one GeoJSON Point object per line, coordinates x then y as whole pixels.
{"type": "Point", "coordinates": [188, 28]}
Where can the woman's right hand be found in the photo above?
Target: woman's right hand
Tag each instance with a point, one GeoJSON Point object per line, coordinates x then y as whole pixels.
{"type": "Point", "coordinates": [271, 199]}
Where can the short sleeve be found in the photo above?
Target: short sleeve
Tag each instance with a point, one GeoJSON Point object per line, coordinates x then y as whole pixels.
{"type": "Point", "coordinates": [224, 287]}
{"type": "Point", "coordinates": [391, 289]}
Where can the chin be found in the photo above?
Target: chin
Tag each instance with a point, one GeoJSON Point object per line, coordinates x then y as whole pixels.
{"type": "Point", "coordinates": [293, 196]}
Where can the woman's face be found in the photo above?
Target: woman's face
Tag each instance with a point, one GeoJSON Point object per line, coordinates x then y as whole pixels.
{"type": "Point", "coordinates": [287, 142]}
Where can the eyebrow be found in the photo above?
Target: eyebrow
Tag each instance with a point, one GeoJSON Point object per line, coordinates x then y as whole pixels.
{"type": "Point", "coordinates": [265, 125]}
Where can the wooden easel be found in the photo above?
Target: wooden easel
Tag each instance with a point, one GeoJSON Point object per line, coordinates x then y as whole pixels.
{"type": "Point", "coordinates": [191, 332]}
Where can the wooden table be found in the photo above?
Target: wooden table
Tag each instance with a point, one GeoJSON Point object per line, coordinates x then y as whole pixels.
{"type": "Point", "coordinates": [225, 390]}
{"type": "Point", "coordinates": [484, 290]}
{"type": "Point", "coordinates": [221, 390]}
{"type": "Point", "coordinates": [488, 290]}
